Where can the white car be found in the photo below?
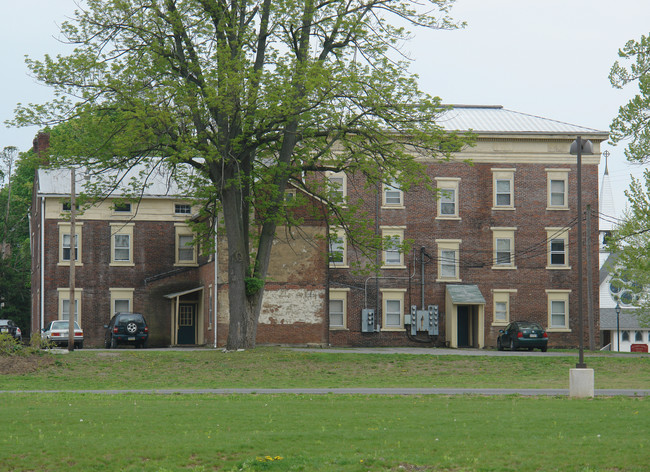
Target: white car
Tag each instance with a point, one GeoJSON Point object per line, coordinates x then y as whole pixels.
{"type": "Point", "coordinates": [57, 332]}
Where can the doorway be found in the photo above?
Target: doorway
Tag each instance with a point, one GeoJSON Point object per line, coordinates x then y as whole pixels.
{"type": "Point", "coordinates": [186, 323]}
{"type": "Point", "coordinates": [463, 326]}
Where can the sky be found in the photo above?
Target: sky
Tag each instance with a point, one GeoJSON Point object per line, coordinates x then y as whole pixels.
{"type": "Point", "coordinates": [549, 58]}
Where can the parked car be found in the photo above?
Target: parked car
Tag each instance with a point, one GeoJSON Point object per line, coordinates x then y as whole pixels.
{"type": "Point", "coordinates": [126, 328]}
{"type": "Point", "coordinates": [522, 334]}
{"type": "Point", "coordinates": [9, 327]}
{"type": "Point", "coordinates": [57, 332]}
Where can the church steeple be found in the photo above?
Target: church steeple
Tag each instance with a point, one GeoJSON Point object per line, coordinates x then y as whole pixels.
{"type": "Point", "coordinates": [606, 204]}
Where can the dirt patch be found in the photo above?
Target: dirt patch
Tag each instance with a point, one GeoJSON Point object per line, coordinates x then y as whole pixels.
{"type": "Point", "coordinates": [23, 364]}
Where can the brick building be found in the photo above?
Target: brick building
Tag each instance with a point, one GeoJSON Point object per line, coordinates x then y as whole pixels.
{"type": "Point", "coordinates": [139, 256]}
{"type": "Point", "coordinates": [496, 243]}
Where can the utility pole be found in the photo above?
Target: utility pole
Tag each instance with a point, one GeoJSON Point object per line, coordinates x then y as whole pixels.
{"type": "Point", "coordinates": [73, 260]}
{"type": "Point", "coordinates": [590, 276]}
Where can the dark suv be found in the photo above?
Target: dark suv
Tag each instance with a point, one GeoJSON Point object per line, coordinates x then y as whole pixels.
{"type": "Point", "coordinates": [126, 328]}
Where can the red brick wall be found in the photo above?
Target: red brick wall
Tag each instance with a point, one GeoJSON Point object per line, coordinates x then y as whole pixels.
{"type": "Point", "coordinates": [531, 278]}
{"type": "Point", "coordinates": [153, 255]}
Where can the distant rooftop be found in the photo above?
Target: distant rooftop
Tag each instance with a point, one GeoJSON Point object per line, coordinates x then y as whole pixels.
{"type": "Point", "coordinates": [160, 181]}
{"type": "Point", "coordinates": [496, 119]}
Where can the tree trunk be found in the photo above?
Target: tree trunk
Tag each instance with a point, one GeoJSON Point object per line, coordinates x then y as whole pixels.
{"type": "Point", "coordinates": [240, 320]}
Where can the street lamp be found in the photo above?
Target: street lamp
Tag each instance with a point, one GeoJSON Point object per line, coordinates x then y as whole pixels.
{"type": "Point", "coordinates": [580, 147]}
{"type": "Point", "coordinates": [618, 334]}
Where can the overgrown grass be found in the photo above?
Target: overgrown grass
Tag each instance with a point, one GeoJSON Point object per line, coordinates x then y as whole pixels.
{"type": "Point", "coordinates": [278, 368]}
{"type": "Point", "coordinates": [128, 432]}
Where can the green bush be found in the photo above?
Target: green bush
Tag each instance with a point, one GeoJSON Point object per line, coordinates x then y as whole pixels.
{"type": "Point", "coordinates": [11, 347]}
{"type": "Point", "coordinates": [36, 342]}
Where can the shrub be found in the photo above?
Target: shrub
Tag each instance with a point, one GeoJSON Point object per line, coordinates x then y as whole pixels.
{"type": "Point", "coordinates": [9, 345]}
{"type": "Point", "coordinates": [36, 341]}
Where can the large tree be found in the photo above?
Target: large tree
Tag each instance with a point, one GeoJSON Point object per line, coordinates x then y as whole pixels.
{"type": "Point", "coordinates": [631, 240]}
{"type": "Point", "coordinates": [254, 96]}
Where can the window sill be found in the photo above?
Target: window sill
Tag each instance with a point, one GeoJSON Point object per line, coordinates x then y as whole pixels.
{"type": "Point", "coordinates": [392, 329]}
{"type": "Point", "coordinates": [496, 208]}
{"type": "Point", "coordinates": [500, 323]}
{"type": "Point", "coordinates": [67, 264]}
{"type": "Point", "coordinates": [443, 280]}
{"type": "Point", "coordinates": [448, 218]}
{"type": "Point", "coordinates": [498, 267]}
{"type": "Point", "coordinates": [186, 264]}
{"type": "Point", "coordinates": [557, 208]}
{"type": "Point", "coordinates": [558, 330]}
{"type": "Point", "coordinates": [339, 266]}
{"type": "Point", "coordinates": [338, 328]}
{"type": "Point", "coordinates": [393, 207]}
{"type": "Point", "coordinates": [558, 267]}
{"type": "Point", "coordinates": [122, 264]}
{"type": "Point", "coordinates": [393, 267]}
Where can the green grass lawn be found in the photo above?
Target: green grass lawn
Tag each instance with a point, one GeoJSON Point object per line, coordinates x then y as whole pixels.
{"type": "Point", "coordinates": [162, 433]}
{"type": "Point", "coordinates": [278, 368]}
{"type": "Point", "coordinates": [130, 432]}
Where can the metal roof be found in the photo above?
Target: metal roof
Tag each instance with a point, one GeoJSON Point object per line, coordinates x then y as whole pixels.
{"type": "Point", "coordinates": [496, 119]}
{"type": "Point", "coordinates": [160, 181]}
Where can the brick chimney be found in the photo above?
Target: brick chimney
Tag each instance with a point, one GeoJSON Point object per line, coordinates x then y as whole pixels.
{"type": "Point", "coordinates": [40, 145]}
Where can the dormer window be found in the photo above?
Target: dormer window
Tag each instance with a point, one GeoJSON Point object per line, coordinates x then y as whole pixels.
{"type": "Point", "coordinates": [122, 208]}
{"type": "Point", "coordinates": [182, 209]}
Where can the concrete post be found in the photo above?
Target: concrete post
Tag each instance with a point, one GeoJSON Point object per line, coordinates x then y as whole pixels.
{"type": "Point", "coordinates": [581, 383]}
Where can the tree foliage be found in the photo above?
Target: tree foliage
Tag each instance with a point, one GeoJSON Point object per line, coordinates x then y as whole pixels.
{"type": "Point", "coordinates": [15, 265]}
{"type": "Point", "coordinates": [633, 121]}
{"type": "Point", "coordinates": [254, 96]}
{"type": "Point", "coordinates": [631, 240]}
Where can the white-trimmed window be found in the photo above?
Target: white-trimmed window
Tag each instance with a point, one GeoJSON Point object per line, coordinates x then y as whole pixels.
{"type": "Point", "coordinates": [448, 260]}
{"type": "Point", "coordinates": [122, 208]}
{"type": "Point", "coordinates": [392, 253]}
{"type": "Point", "coordinates": [65, 248]}
{"type": "Point", "coordinates": [121, 300]}
{"type": "Point", "coordinates": [66, 206]}
{"type": "Point", "coordinates": [182, 209]}
{"type": "Point", "coordinates": [122, 244]}
{"type": "Point", "coordinates": [558, 244]}
{"type": "Point", "coordinates": [447, 204]}
{"type": "Point", "coordinates": [339, 184]}
{"type": "Point", "coordinates": [504, 248]}
{"type": "Point", "coordinates": [338, 251]}
{"type": "Point", "coordinates": [185, 248]}
{"type": "Point", "coordinates": [64, 304]}
{"type": "Point", "coordinates": [393, 197]}
{"type": "Point", "coordinates": [501, 306]}
{"type": "Point", "coordinates": [503, 184]}
{"type": "Point", "coordinates": [558, 189]}
{"type": "Point", "coordinates": [338, 308]}
{"type": "Point", "coordinates": [392, 309]}
{"type": "Point", "coordinates": [289, 195]}
{"type": "Point", "coordinates": [558, 310]}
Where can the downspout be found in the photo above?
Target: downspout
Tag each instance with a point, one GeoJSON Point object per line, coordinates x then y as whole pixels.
{"type": "Point", "coordinates": [42, 282]}
{"type": "Point", "coordinates": [422, 253]}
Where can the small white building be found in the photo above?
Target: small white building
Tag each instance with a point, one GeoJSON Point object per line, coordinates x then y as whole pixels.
{"type": "Point", "coordinates": [619, 331]}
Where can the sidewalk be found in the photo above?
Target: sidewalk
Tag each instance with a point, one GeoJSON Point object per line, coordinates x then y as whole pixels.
{"type": "Point", "coordinates": [351, 391]}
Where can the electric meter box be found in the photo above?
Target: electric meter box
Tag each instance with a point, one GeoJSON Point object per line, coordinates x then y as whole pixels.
{"type": "Point", "coordinates": [368, 320]}
{"type": "Point", "coordinates": [424, 320]}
